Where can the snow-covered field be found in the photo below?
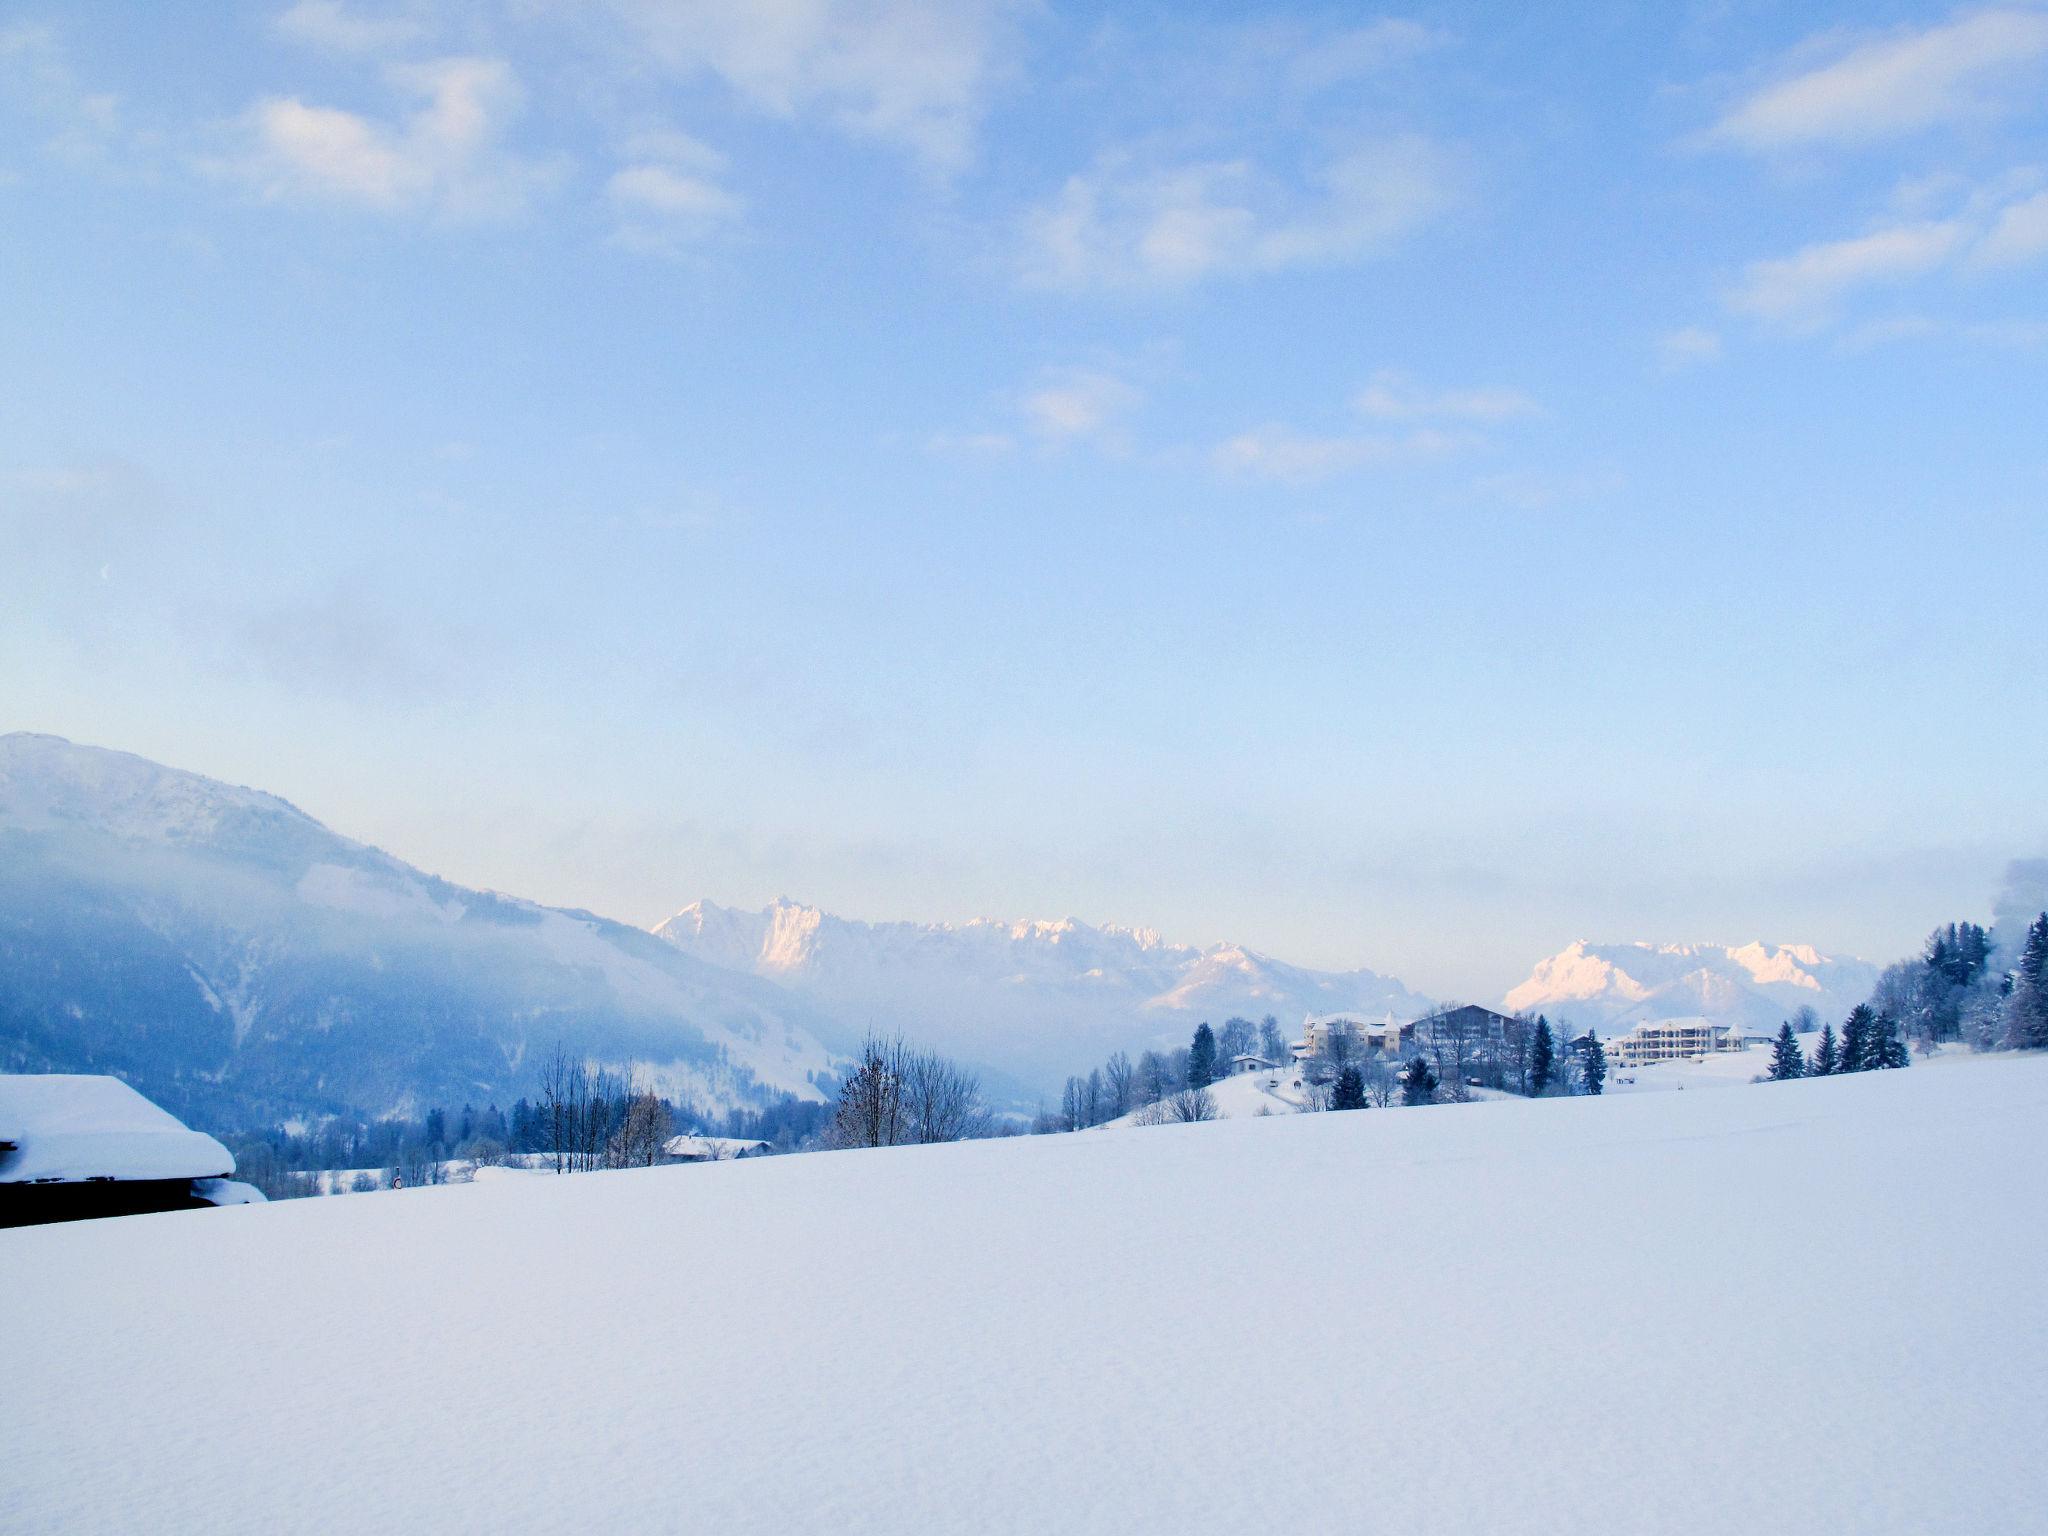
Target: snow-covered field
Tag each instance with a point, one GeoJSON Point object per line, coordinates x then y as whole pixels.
{"type": "Point", "coordinates": [1803, 1308]}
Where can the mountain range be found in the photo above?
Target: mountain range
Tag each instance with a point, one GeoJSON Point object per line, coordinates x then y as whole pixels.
{"type": "Point", "coordinates": [1615, 986]}
{"type": "Point", "coordinates": [239, 962]}
{"type": "Point", "coordinates": [1032, 1001]}
{"type": "Point", "coordinates": [243, 964]}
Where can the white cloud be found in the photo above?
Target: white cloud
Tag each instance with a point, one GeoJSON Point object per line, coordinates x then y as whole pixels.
{"type": "Point", "coordinates": [331, 24]}
{"type": "Point", "coordinates": [85, 125]}
{"type": "Point", "coordinates": [1128, 224]}
{"type": "Point", "coordinates": [2019, 234]}
{"type": "Point", "coordinates": [1805, 289]}
{"type": "Point", "coordinates": [1688, 347]}
{"type": "Point", "coordinates": [1896, 85]}
{"type": "Point", "coordinates": [670, 193]}
{"type": "Point", "coordinates": [914, 73]}
{"type": "Point", "coordinates": [1391, 396]}
{"type": "Point", "coordinates": [2001, 224]}
{"type": "Point", "coordinates": [1275, 452]}
{"type": "Point", "coordinates": [444, 154]}
{"type": "Point", "coordinates": [1079, 403]}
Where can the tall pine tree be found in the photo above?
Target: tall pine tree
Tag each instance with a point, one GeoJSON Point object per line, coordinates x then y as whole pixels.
{"type": "Point", "coordinates": [1418, 1083]}
{"type": "Point", "coordinates": [1592, 1062]}
{"type": "Point", "coordinates": [1542, 1058]}
{"type": "Point", "coordinates": [1827, 1057]}
{"type": "Point", "coordinates": [1856, 1039]}
{"type": "Point", "coordinates": [1350, 1090]}
{"type": "Point", "coordinates": [1786, 1062]}
{"type": "Point", "coordinates": [1202, 1057]}
{"type": "Point", "coordinates": [2026, 1007]}
{"type": "Point", "coordinates": [1884, 1049]}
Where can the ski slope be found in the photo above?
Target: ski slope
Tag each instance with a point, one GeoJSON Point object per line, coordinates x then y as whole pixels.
{"type": "Point", "coordinates": [1803, 1308]}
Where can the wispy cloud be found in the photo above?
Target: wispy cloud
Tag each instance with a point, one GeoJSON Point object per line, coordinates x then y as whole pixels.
{"type": "Point", "coordinates": [1805, 289]}
{"type": "Point", "coordinates": [1412, 424]}
{"type": "Point", "coordinates": [83, 124]}
{"type": "Point", "coordinates": [1392, 396]}
{"type": "Point", "coordinates": [445, 154]}
{"type": "Point", "coordinates": [1688, 347]}
{"type": "Point", "coordinates": [1076, 404]}
{"type": "Point", "coordinates": [913, 73]}
{"type": "Point", "coordinates": [342, 28]}
{"type": "Point", "coordinates": [670, 193]}
{"type": "Point", "coordinates": [1902, 83]}
{"type": "Point", "coordinates": [2001, 226]}
{"type": "Point", "coordinates": [1281, 453]}
{"type": "Point", "coordinates": [1129, 222]}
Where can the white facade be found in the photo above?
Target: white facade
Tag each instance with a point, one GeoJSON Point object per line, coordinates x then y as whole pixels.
{"type": "Point", "coordinates": [1673, 1039]}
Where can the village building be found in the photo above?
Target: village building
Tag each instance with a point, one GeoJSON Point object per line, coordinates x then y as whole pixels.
{"type": "Point", "coordinates": [1245, 1061]}
{"type": "Point", "coordinates": [710, 1149]}
{"type": "Point", "coordinates": [74, 1147]}
{"type": "Point", "coordinates": [1673, 1040]}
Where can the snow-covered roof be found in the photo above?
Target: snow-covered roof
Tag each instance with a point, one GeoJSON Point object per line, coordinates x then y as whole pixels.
{"type": "Point", "coordinates": [58, 1128]}
{"type": "Point", "coordinates": [710, 1146]}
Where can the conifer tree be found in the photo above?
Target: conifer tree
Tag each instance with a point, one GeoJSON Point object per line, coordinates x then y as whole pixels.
{"type": "Point", "coordinates": [1418, 1083]}
{"type": "Point", "coordinates": [1786, 1062]}
{"type": "Point", "coordinates": [1592, 1062]}
{"type": "Point", "coordinates": [1856, 1039]}
{"type": "Point", "coordinates": [1349, 1092]}
{"type": "Point", "coordinates": [2026, 1007]}
{"type": "Point", "coordinates": [1827, 1057]}
{"type": "Point", "coordinates": [1883, 1050]}
{"type": "Point", "coordinates": [1542, 1058]}
{"type": "Point", "coordinates": [1202, 1057]}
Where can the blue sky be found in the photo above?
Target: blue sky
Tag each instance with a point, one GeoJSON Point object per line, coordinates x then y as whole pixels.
{"type": "Point", "coordinates": [1405, 490]}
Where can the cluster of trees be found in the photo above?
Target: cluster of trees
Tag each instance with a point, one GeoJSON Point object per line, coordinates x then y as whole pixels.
{"type": "Point", "coordinates": [1460, 1051]}
{"type": "Point", "coordinates": [1164, 1085]}
{"type": "Point", "coordinates": [899, 1095]}
{"type": "Point", "coordinates": [1869, 1043]}
{"type": "Point", "coordinates": [1954, 990]}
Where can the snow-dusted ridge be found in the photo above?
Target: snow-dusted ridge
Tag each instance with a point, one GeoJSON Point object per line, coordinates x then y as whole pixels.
{"type": "Point", "coordinates": [1034, 999]}
{"type": "Point", "coordinates": [1613, 986]}
{"type": "Point", "coordinates": [225, 950]}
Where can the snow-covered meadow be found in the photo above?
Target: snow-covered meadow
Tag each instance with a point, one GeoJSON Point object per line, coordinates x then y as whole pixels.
{"type": "Point", "coordinates": [1805, 1307]}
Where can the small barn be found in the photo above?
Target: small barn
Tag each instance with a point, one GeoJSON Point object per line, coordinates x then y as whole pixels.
{"type": "Point", "coordinates": [74, 1147]}
{"type": "Point", "coordinates": [710, 1149]}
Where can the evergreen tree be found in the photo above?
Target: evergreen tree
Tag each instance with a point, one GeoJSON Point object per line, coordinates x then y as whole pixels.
{"type": "Point", "coordinates": [1786, 1062]}
{"type": "Point", "coordinates": [1542, 1058]}
{"type": "Point", "coordinates": [1202, 1057]}
{"type": "Point", "coordinates": [1418, 1083]}
{"type": "Point", "coordinates": [1883, 1049]}
{"type": "Point", "coordinates": [1349, 1092]}
{"type": "Point", "coordinates": [1592, 1062]}
{"type": "Point", "coordinates": [1827, 1057]}
{"type": "Point", "coordinates": [1856, 1039]}
{"type": "Point", "coordinates": [2026, 1005]}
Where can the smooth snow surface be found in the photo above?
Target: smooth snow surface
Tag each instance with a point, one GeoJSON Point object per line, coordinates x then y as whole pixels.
{"type": "Point", "coordinates": [69, 1127]}
{"type": "Point", "coordinates": [1800, 1308]}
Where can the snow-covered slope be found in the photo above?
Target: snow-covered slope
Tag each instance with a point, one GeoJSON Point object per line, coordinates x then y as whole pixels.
{"type": "Point", "coordinates": [1757, 985]}
{"type": "Point", "coordinates": [1801, 1309]}
{"type": "Point", "coordinates": [237, 960]}
{"type": "Point", "coordinates": [1035, 1000]}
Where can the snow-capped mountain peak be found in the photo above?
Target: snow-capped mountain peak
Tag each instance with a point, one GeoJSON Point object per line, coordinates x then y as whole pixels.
{"type": "Point", "coordinates": [1755, 984]}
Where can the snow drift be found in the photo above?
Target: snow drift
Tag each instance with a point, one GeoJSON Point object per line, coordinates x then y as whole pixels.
{"type": "Point", "coordinates": [1800, 1308]}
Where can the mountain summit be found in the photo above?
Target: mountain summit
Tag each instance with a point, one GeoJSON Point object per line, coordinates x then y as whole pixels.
{"type": "Point", "coordinates": [231, 956]}
{"type": "Point", "coordinates": [1033, 999]}
{"type": "Point", "coordinates": [1756, 985]}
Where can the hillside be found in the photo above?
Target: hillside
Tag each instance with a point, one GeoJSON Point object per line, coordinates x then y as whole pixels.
{"type": "Point", "coordinates": [1801, 1309]}
{"type": "Point", "coordinates": [1614, 986]}
{"type": "Point", "coordinates": [238, 961]}
{"type": "Point", "coordinates": [1033, 1000]}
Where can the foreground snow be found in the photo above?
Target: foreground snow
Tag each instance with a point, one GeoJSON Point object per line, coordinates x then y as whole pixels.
{"type": "Point", "coordinates": [1802, 1308]}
